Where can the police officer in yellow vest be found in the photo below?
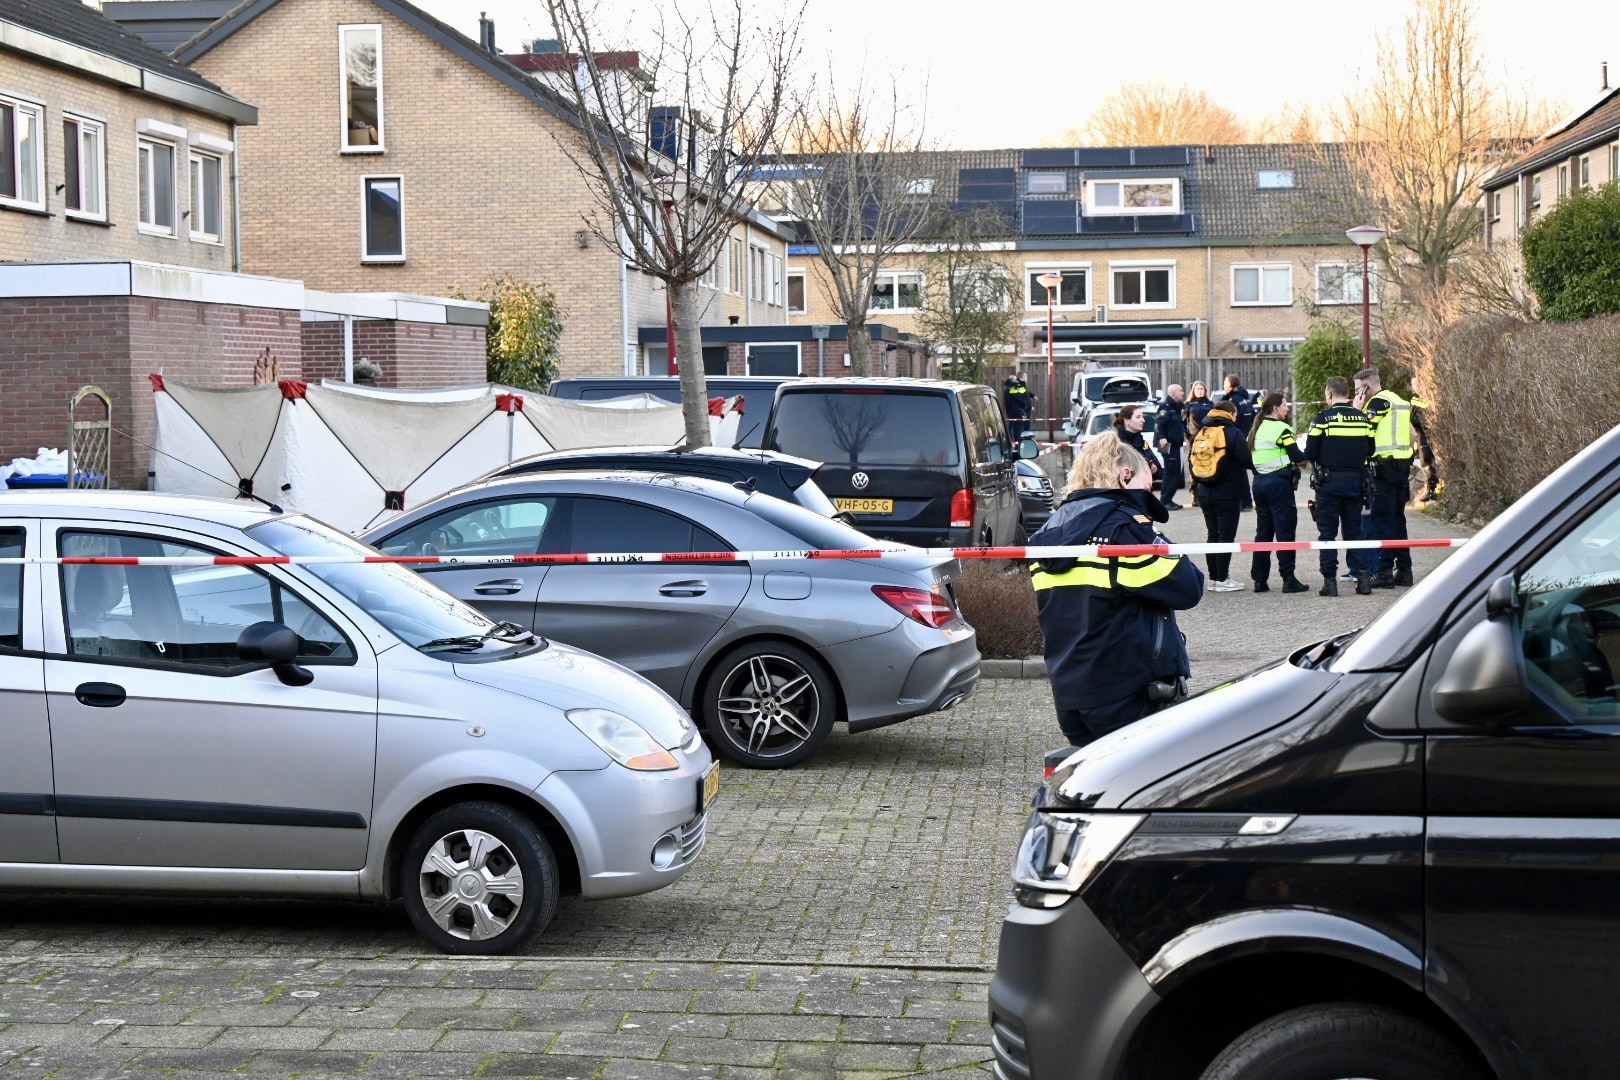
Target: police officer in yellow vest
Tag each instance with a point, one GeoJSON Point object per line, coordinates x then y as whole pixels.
{"type": "Point", "coordinates": [1391, 416]}
{"type": "Point", "coordinates": [1276, 457]}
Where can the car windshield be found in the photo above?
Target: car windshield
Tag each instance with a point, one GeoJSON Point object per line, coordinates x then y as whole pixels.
{"type": "Point", "coordinates": [867, 427]}
{"type": "Point", "coordinates": [415, 610]}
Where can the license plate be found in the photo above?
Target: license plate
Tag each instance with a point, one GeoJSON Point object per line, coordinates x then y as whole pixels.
{"type": "Point", "coordinates": [709, 786]}
{"type": "Point", "coordinates": [865, 506]}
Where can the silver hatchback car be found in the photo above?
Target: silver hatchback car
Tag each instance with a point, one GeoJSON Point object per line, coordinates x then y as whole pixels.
{"type": "Point", "coordinates": [766, 654]}
{"type": "Point", "coordinates": [314, 729]}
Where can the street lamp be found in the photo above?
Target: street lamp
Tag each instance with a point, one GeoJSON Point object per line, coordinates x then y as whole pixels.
{"type": "Point", "coordinates": [1365, 236]}
{"type": "Point", "coordinates": [1051, 279]}
{"type": "Point", "coordinates": [671, 189]}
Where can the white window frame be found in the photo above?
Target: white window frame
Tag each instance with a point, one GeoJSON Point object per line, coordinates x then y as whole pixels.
{"type": "Point", "coordinates": [1141, 266]}
{"type": "Point", "coordinates": [1352, 271]}
{"type": "Point", "coordinates": [1563, 180]}
{"type": "Point", "coordinates": [1274, 179]}
{"type": "Point", "coordinates": [87, 123]}
{"type": "Point", "coordinates": [146, 215]}
{"type": "Point", "coordinates": [343, 91]}
{"type": "Point", "coordinates": [778, 297]}
{"type": "Point", "coordinates": [1048, 182]}
{"type": "Point", "coordinates": [21, 106]}
{"type": "Point", "coordinates": [736, 276]}
{"type": "Point", "coordinates": [365, 221]}
{"type": "Point", "coordinates": [1031, 269]}
{"type": "Point", "coordinates": [920, 186]}
{"type": "Point", "coordinates": [1496, 206]}
{"type": "Point", "coordinates": [804, 290]}
{"type": "Point", "coordinates": [893, 277]}
{"type": "Point", "coordinates": [1532, 193]}
{"type": "Point", "coordinates": [1614, 163]}
{"type": "Point", "coordinates": [1093, 210]}
{"type": "Point", "coordinates": [1260, 269]}
{"type": "Point", "coordinates": [1586, 171]}
{"type": "Point", "coordinates": [194, 160]}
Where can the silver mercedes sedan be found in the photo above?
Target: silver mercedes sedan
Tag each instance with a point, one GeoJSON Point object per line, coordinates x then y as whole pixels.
{"type": "Point", "coordinates": [171, 724]}
{"type": "Point", "coordinates": [767, 655]}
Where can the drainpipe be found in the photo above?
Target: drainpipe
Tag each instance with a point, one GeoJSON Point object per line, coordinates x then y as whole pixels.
{"type": "Point", "coordinates": [348, 348]}
{"type": "Point", "coordinates": [626, 352]}
{"type": "Point", "coordinates": [1209, 300]}
{"type": "Point", "coordinates": [748, 266]}
{"type": "Point", "coordinates": [236, 202]}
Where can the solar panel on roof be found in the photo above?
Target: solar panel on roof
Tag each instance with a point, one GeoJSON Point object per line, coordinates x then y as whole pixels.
{"type": "Point", "coordinates": [1061, 216]}
{"type": "Point", "coordinates": [1049, 159]}
{"type": "Point", "coordinates": [1161, 155]}
{"type": "Point", "coordinates": [987, 176]}
{"type": "Point", "coordinates": [1102, 156]}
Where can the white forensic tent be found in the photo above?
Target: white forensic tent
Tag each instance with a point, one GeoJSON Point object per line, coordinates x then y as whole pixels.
{"type": "Point", "coordinates": [353, 456]}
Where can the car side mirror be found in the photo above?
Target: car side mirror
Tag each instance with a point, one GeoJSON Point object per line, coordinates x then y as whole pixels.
{"type": "Point", "coordinates": [276, 645]}
{"type": "Point", "coordinates": [1028, 448]}
{"type": "Point", "coordinates": [1484, 680]}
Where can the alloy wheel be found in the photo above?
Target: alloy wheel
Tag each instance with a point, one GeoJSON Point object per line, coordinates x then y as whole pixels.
{"type": "Point", "coordinates": [770, 705]}
{"type": "Point", "coordinates": [472, 885]}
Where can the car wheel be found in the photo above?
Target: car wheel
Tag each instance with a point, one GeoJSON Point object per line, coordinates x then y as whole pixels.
{"type": "Point", "coordinates": [1342, 1040]}
{"type": "Point", "coordinates": [768, 705]}
{"type": "Point", "coordinates": [479, 879]}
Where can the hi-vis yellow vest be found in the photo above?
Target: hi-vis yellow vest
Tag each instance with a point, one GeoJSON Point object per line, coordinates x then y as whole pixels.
{"type": "Point", "coordinates": [1392, 435]}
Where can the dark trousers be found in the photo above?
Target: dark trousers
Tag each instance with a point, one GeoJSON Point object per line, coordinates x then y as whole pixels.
{"type": "Point", "coordinates": [1391, 488]}
{"type": "Point", "coordinates": [1082, 726]}
{"type": "Point", "coordinates": [1338, 508]}
{"type": "Point", "coordinates": [1221, 521]}
{"type": "Point", "coordinates": [1172, 476]}
{"type": "Point", "coordinates": [1017, 427]}
{"type": "Point", "coordinates": [1276, 518]}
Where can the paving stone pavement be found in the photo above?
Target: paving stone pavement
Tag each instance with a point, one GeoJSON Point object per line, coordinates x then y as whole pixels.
{"type": "Point", "coordinates": [841, 923]}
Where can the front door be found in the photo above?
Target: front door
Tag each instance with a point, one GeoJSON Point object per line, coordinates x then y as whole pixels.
{"type": "Point", "coordinates": [654, 618]}
{"type": "Point", "coordinates": [169, 751]}
{"type": "Point", "coordinates": [27, 830]}
{"type": "Point", "coordinates": [1524, 822]}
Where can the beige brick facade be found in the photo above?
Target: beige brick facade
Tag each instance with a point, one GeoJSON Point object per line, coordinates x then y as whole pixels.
{"type": "Point", "coordinates": [1508, 209]}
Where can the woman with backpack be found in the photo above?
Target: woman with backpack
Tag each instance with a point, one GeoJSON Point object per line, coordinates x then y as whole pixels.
{"type": "Point", "coordinates": [1276, 456]}
{"type": "Point", "coordinates": [1220, 467]}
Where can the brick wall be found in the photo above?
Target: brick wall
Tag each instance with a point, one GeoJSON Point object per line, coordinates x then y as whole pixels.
{"type": "Point", "coordinates": [413, 356]}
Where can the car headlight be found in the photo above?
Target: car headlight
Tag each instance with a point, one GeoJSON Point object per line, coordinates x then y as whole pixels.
{"type": "Point", "coordinates": [1061, 852]}
{"type": "Point", "coordinates": [1030, 485]}
{"type": "Point", "coordinates": [622, 739]}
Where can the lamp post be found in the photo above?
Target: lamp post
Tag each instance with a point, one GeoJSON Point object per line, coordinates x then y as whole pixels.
{"type": "Point", "coordinates": [1051, 279]}
{"type": "Point", "coordinates": [1365, 236]}
{"type": "Point", "coordinates": [672, 190]}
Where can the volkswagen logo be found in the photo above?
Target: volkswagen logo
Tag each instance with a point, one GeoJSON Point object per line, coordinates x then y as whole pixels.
{"type": "Point", "coordinates": [860, 480]}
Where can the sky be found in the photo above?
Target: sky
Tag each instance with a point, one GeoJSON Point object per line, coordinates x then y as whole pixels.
{"type": "Point", "coordinates": [1011, 73]}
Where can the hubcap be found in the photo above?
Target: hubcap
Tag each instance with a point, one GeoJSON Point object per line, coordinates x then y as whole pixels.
{"type": "Point", "coordinates": [472, 886]}
{"type": "Point", "coordinates": [769, 705]}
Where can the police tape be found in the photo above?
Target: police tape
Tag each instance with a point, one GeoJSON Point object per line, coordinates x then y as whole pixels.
{"type": "Point", "coordinates": [1069, 551]}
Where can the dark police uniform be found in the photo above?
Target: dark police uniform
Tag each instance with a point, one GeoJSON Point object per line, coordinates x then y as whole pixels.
{"type": "Point", "coordinates": [1171, 426]}
{"type": "Point", "coordinates": [1391, 417]}
{"type": "Point", "coordinates": [1109, 624]}
{"type": "Point", "coordinates": [1017, 402]}
{"type": "Point", "coordinates": [1339, 444]}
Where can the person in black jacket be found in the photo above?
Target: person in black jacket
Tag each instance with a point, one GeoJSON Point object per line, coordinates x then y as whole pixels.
{"type": "Point", "coordinates": [1171, 431]}
{"type": "Point", "coordinates": [1128, 425]}
{"type": "Point", "coordinates": [1339, 446]}
{"type": "Point", "coordinates": [1017, 402]}
{"type": "Point", "coordinates": [1240, 397]}
{"type": "Point", "coordinates": [1221, 495]}
{"type": "Point", "coordinates": [1113, 650]}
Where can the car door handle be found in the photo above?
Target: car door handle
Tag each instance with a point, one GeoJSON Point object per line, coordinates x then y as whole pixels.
{"type": "Point", "coordinates": [499, 587]}
{"type": "Point", "coordinates": [695, 587]}
{"type": "Point", "coordinates": [99, 695]}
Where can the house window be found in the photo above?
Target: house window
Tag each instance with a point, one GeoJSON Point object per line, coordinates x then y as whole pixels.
{"type": "Point", "coordinates": [22, 158]}
{"type": "Point", "coordinates": [756, 274]}
{"type": "Point", "coordinates": [1048, 183]}
{"type": "Point", "coordinates": [1340, 283]}
{"type": "Point", "coordinates": [1586, 171]}
{"type": "Point", "coordinates": [897, 290]}
{"type": "Point", "coordinates": [1133, 196]}
{"type": "Point", "coordinates": [1614, 163]}
{"type": "Point", "coordinates": [734, 267]}
{"type": "Point", "coordinates": [1267, 179]}
{"type": "Point", "coordinates": [921, 186]}
{"type": "Point", "coordinates": [1266, 285]}
{"type": "Point", "coordinates": [361, 51]}
{"type": "Point", "coordinates": [205, 197]}
{"type": "Point", "coordinates": [155, 179]}
{"type": "Point", "coordinates": [1563, 180]}
{"type": "Point", "coordinates": [774, 264]}
{"type": "Point", "coordinates": [1535, 193]}
{"type": "Point", "coordinates": [84, 168]}
{"type": "Point", "coordinates": [795, 293]}
{"type": "Point", "coordinates": [1496, 206]}
{"type": "Point", "coordinates": [1143, 286]}
{"type": "Point", "coordinates": [711, 276]}
{"type": "Point", "coordinates": [383, 219]}
{"type": "Point", "coordinates": [1074, 292]}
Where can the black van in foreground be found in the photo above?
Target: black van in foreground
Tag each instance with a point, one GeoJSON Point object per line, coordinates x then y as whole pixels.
{"type": "Point", "coordinates": [1395, 854]}
{"type": "Point", "coordinates": [919, 461]}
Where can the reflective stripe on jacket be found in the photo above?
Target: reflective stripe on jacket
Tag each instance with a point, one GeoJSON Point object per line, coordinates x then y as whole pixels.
{"type": "Point", "coordinates": [1271, 445]}
{"type": "Point", "coordinates": [1392, 425]}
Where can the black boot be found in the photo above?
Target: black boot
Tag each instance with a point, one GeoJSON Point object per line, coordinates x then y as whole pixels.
{"type": "Point", "coordinates": [1330, 587]}
{"type": "Point", "coordinates": [1403, 577]}
{"type": "Point", "coordinates": [1384, 579]}
{"type": "Point", "coordinates": [1261, 586]}
{"type": "Point", "coordinates": [1364, 585]}
{"type": "Point", "coordinates": [1293, 584]}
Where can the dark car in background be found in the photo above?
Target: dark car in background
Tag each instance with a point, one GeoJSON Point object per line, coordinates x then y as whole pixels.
{"type": "Point", "coordinates": [1036, 496]}
{"type": "Point", "coordinates": [756, 391]}
{"type": "Point", "coordinates": [921, 461]}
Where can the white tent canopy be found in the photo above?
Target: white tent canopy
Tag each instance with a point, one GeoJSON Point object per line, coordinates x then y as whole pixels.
{"type": "Point", "coordinates": [353, 456]}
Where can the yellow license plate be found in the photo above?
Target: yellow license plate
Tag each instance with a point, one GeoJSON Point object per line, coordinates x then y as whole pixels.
{"type": "Point", "coordinates": [865, 506]}
{"type": "Point", "coordinates": [709, 786]}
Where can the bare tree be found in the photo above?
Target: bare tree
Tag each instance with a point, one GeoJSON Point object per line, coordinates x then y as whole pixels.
{"type": "Point", "coordinates": [858, 175]}
{"type": "Point", "coordinates": [968, 313]}
{"type": "Point", "coordinates": [661, 152]}
{"type": "Point", "coordinates": [1144, 113]}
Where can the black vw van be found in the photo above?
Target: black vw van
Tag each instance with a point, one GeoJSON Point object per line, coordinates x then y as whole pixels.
{"type": "Point", "coordinates": [1393, 855]}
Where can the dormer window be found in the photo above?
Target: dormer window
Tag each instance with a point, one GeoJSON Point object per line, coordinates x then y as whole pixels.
{"type": "Point", "coordinates": [1153, 196]}
{"type": "Point", "coordinates": [1271, 179]}
{"type": "Point", "coordinates": [1048, 183]}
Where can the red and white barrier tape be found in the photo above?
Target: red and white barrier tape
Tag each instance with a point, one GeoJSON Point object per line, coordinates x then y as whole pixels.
{"type": "Point", "coordinates": [1085, 551]}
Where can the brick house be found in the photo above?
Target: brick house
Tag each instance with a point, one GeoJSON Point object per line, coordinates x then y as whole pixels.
{"type": "Point", "coordinates": [1583, 151]}
{"type": "Point", "coordinates": [395, 154]}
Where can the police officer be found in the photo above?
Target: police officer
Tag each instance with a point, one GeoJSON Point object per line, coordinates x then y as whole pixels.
{"type": "Point", "coordinates": [1113, 650]}
{"type": "Point", "coordinates": [1339, 445]}
{"type": "Point", "coordinates": [1171, 430]}
{"type": "Point", "coordinates": [1276, 458]}
{"type": "Point", "coordinates": [1391, 417]}
{"type": "Point", "coordinates": [1017, 402]}
{"type": "Point", "coordinates": [1243, 401]}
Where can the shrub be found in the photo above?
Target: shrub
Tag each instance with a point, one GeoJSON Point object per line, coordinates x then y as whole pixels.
{"type": "Point", "coordinates": [1572, 255]}
{"type": "Point", "coordinates": [524, 334]}
{"type": "Point", "coordinates": [996, 598]}
{"type": "Point", "coordinates": [1330, 349]}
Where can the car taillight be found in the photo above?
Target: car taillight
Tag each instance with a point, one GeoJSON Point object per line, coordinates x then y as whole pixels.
{"type": "Point", "coordinates": [962, 509]}
{"type": "Point", "coordinates": [929, 608]}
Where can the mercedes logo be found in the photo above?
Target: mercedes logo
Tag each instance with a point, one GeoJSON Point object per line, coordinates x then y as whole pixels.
{"type": "Point", "coordinates": [860, 480]}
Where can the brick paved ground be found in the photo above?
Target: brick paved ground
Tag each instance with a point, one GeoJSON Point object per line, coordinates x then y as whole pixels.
{"type": "Point", "coordinates": [841, 923]}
